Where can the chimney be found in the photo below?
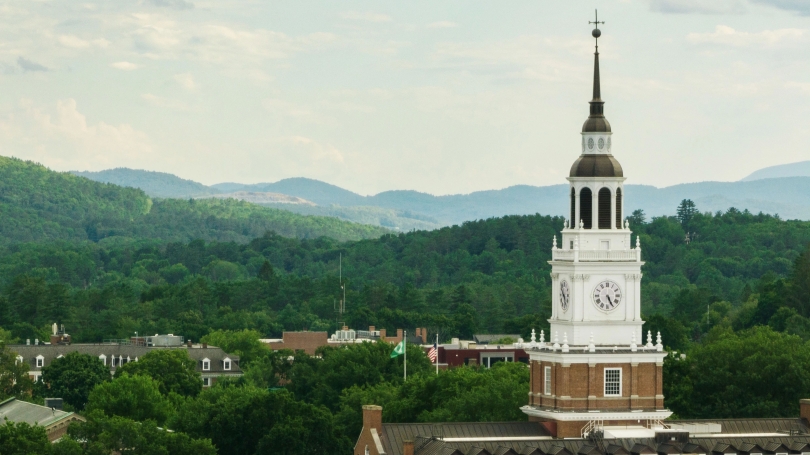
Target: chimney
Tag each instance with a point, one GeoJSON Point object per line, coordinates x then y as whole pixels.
{"type": "Point", "coordinates": [371, 328]}
{"type": "Point", "coordinates": [417, 332]}
{"type": "Point", "coordinates": [407, 447]}
{"type": "Point", "coordinates": [372, 417]}
{"type": "Point", "coordinates": [804, 409]}
{"type": "Point", "coordinates": [188, 343]}
{"type": "Point", "coordinates": [28, 342]}
{"type": "Point", "coordinates": [399, 335]}
{"type": "Point", "coordinates": [205, 345]}
{"type": "Point", "coordinates": [382, 334]}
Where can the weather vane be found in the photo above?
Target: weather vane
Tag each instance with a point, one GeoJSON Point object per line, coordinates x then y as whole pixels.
{"type": "Point", "coordinates": [596, 32]}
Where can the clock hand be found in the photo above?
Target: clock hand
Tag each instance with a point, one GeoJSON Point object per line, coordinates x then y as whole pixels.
{"type": "Point", "coordinates": [609, 300]}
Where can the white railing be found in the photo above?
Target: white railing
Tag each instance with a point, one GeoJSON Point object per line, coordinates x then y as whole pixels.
{"type": "Point", "coordinates": [593, 424]}
{"type": "Point", "coordinates": [595, 255]}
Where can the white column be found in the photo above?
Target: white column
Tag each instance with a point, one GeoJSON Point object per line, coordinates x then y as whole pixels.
{"type": "Point", "coordinates": [575, 222]}
{"type": "Point", "coordinates": [595, 208]}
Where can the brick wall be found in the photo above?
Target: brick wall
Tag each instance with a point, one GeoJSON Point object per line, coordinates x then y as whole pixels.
{"type": "Point", "coordinates": [305, 341]}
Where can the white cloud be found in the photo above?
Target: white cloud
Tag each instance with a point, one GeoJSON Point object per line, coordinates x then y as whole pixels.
{"type": "Point", "coordinates": [126, 66]}
{"type": "Point", "coordinates": [186, 80]}
{"type": "Point", "coordinates": [75, 42]}
{"type": "Point", "coordinates": [698, 6]}
{"type": "Point", "coordinates": [63, 138]}
{"type": "Point", "coordinates": [442, 24]}
{"type": "Point", "coordinates": [726, 35]}
{"type": "Point", "coordinates": [167, 103]}
{"type": "Point", "coordinates": [365, 16]}
{"type": "Point", "coordinates": [311, 149]}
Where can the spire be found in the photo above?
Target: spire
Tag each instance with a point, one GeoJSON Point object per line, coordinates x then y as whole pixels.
{"type": "Point", "coordinates": [596, 121]}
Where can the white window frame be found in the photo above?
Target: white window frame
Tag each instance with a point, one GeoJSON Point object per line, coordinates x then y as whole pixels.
{"type": "Point", "coordinates": [19, 360]}
{"type": "Point", "coordinates": [206, 382]}
{"type": "Point", "coordinates": [605, 386]}
{"type": "Point", "coordinates": [547, 380]}
{"type": "Point", "coordinates": [206, 364]}
{"type": "Point", "coordinates": [40, 361]}
{"type": "Point", "coordinates": [103, 359]}
{"type": "Point", "coordinates": [226, 364]}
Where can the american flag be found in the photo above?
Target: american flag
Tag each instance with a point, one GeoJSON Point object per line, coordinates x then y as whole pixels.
{"type": "Point", "coordinates": [433, 354]}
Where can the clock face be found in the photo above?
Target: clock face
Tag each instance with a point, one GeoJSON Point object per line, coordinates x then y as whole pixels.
{"type": "Point", "coordinates": [565, 295]}
{"type": "Point", "coordinates": [607, 295]}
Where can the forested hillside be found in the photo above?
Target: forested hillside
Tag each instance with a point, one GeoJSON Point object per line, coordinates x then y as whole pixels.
{"type": "Point", "coordinates": [37, 204]}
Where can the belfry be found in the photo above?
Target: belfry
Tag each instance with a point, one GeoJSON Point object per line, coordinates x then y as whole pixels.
{"type": "Point", "coordinates": [595, 372]}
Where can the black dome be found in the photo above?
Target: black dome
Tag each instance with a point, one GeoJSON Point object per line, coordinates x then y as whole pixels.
{"type": "Point", "coordinates": [596, 166]}
{"type": "Point", "coordinates": [596, 124]}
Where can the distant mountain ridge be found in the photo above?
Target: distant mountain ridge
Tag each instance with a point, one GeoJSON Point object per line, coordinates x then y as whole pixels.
{"type": "Point", "coordinates": [406, 210]}
{"type": "Point", "coordinates": [800, 169]}
{"type": "Point", "coordinates": [155, 184]}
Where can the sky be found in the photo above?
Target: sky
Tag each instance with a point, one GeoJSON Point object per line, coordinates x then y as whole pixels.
{"type": "Point", "coordinates": [441, 97]}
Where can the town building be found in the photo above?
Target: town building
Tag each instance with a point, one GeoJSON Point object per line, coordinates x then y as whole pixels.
{"type": "Point", "coordinates": [595, 386]}
{"type": "Point", "coordinates": [472, 353]}
{"type": "Point", "coordinates": [54, 420]}
{"type": "Point", "coordinates": [309, 342]}
{"type": "Point", "coordinates": [212, 362]}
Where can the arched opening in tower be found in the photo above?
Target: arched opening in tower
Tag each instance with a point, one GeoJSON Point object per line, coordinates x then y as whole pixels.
{"type": "Point", "coordinates": [604, 208]}
{"type": "Point", "coordinates": [572, 220]}
{"type": "Point", "coordinates": [619, 208]}
{"type": "Point", "coordinates": [586, 207]}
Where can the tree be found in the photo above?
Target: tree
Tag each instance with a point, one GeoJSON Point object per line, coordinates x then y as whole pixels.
{"type": "Point", "coordinates": [686, 211]}
{"type": "Point", "coordinates": [244, 343]}
{"type": "Point", "coordinates": [637, 219]}
{"type": "Point", "coordinates": [103, 435]}
{"type": "Point", "coordinates": [134, 397]}
{"type": "Point", "coordinates": [14, 379]}
{"type": "Point", "coordinates": [73, 376]}
{"type": "Point", "coordinates": [752, 373]}
{"type": "Point", "coordinates": [172, 369]}
{"type": "Point", "coordinates": [23, 439]}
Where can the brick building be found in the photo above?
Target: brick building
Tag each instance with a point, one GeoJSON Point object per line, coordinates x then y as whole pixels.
{"type": "Point", "coordinates": [311, 341]}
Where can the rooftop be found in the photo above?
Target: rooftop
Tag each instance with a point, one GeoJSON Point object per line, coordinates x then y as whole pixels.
{"type": "Point", "coordinates": [33, 414]}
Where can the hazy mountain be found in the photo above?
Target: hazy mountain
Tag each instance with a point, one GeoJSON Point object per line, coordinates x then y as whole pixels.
{"type": "Point", "coordinates": [406, 210]}
{"type": "Point", "coordinates": [155, 184]}
{"type": "Point", "coordinates": [800, 169]}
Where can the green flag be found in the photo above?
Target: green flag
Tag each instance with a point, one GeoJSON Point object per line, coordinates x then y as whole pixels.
{"type": "Point", "coordinates": [399, 350]}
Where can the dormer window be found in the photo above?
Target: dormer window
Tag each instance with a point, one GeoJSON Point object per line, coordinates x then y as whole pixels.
{"type": "Point", "coordinates": [40, 361]}
{"type": "Point", "coordinates": [19, 360]}
{"type": "Point", "coordinates": [206, 364]}
{"type": "Point", "coordinates": [114, 361]}
{"type": "Point", "coordinates": [103, 359]}
{"type": "Point", "coordinates": [226, 364]}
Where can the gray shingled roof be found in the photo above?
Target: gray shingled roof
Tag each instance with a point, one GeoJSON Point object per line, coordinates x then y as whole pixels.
{"type": "Point", "coordinates": [33, 414]}
{"type": "Point", "coordinates": [432, 439]}
{"type": "Point", "coordinates": [49, 352]}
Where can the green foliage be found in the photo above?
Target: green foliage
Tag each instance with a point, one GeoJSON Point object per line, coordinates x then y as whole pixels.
{"type": "Point", "coordinates": [23, 439]}
{"type": "Point", "coordinates": [458, 395]}
{"type": "Point", "coordinates": [753, 373]}
{"type": "Point", "coordinates": [321, 380]}
{"type": "Point", "coordinates": [249, 420]}
{"type": "Point", "coordinates": [686, 211]}
{"type": "Point", "coordinates": [14, 379]}
{"type": "Point", "coordinates": [102, 435]}
{"type": "Point", "coordinates": [38, 204]}
{"type": "Point", "coordinates": [134, 397]}
{"type": "Point", "coordinates": [73, 376]}
{"type": "Point", "coordinates": [171, 369]}
{"type": "Point", "coordinates": [244, 343]}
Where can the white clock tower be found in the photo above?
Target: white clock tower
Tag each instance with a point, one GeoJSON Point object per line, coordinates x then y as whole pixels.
{"type": "Point", "coordinates": [595, 372]}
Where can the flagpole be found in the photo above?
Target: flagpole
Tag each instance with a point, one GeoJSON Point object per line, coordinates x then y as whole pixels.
{"type": "Point", "coordinates": [437, 353]}
{"type": "Point", "coordinates": [405, 351]}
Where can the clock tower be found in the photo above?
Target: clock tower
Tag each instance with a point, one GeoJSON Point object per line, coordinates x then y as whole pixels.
{"type": "Point", "coordinates": [595, 371]}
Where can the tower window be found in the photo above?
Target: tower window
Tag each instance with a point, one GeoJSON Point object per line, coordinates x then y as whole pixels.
{"type": "Point", "coordinates": [547, 381]}
{"type": "Point", "coordinates": [613, 382]}
{"type": "Point", "coordinates": [618, 208]}
{"type": "Point", "coordinates": [604, 208]}
{"type": "Point", "coordinates": [586, 207]}
{"type": "Point", "coordinates": [572, 221]}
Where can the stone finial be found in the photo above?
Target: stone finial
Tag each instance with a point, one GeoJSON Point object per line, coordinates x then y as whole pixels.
{"type": "Point", "coordinates": [627, 224]}
{"type": "Point", "coordinates": [591, 346]}
{"type": "Point", "coordinates": [581, 224]}
{"type": "Point", "coordinates": [638, 241]}
{"type": "Point", "coordinates": [556, 341]}
{"type": "Point", "coordinates": [565, 342]}
{"type": "Point", "coordinates": [649, 339]}
{"type": "Point", "coordinates": [633, 345]}
{"type": "Point", "coordinates": [554, 243]}
{"type": "Point", "coordinates": [542, 339]}
{"type": "Point", "coordinates": [658, 346]}
{"type": "Point", "coordinates": [533, 336]}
